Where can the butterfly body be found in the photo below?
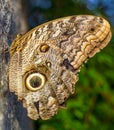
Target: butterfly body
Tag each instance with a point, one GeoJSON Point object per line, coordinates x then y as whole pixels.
{"type": "Point", "coordinates": [45, 61]}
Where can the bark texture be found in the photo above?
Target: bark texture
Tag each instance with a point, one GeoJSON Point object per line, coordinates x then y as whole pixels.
{"type": "Point", "coordinates": [12, 114]}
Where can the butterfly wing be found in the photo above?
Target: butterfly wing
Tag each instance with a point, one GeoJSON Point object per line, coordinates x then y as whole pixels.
{"type": "Point", "coordinates": [45, 61]}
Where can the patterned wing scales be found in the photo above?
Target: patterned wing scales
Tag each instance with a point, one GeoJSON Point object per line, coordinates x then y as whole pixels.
{"type": "Point", "coordinates": [45, 61]}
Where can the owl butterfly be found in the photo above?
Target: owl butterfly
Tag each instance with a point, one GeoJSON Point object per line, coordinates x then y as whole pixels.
{"type": "Point", "coordinates": [45, 61]}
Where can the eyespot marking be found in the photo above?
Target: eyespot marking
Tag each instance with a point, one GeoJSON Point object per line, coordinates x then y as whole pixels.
{"type": "Point", "coordinates": [35, 81]}
{"type": "Point", "coordinates": [44, 48]}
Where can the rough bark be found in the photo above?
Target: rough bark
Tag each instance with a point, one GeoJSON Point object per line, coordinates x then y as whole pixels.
{"type": "Point", "coordinates": [12, 114]}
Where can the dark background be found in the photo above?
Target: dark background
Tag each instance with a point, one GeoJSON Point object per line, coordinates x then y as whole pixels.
{"type": "Point", "coordinates": [93, 106]}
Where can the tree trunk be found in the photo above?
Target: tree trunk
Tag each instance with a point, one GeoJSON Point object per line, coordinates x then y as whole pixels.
{"type": "Point", "coordinates": [12, 114]}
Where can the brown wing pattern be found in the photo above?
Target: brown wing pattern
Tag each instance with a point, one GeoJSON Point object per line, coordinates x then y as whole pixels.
{"type": "Point", "coordinates": [45, 61]}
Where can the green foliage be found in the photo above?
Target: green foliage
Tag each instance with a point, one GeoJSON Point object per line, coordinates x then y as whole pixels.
{"type": "Point", "coordinates": [93, 106]}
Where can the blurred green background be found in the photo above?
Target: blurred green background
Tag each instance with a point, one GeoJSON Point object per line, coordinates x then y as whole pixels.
{"type": "Point", "coordinates": [92, 107]}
